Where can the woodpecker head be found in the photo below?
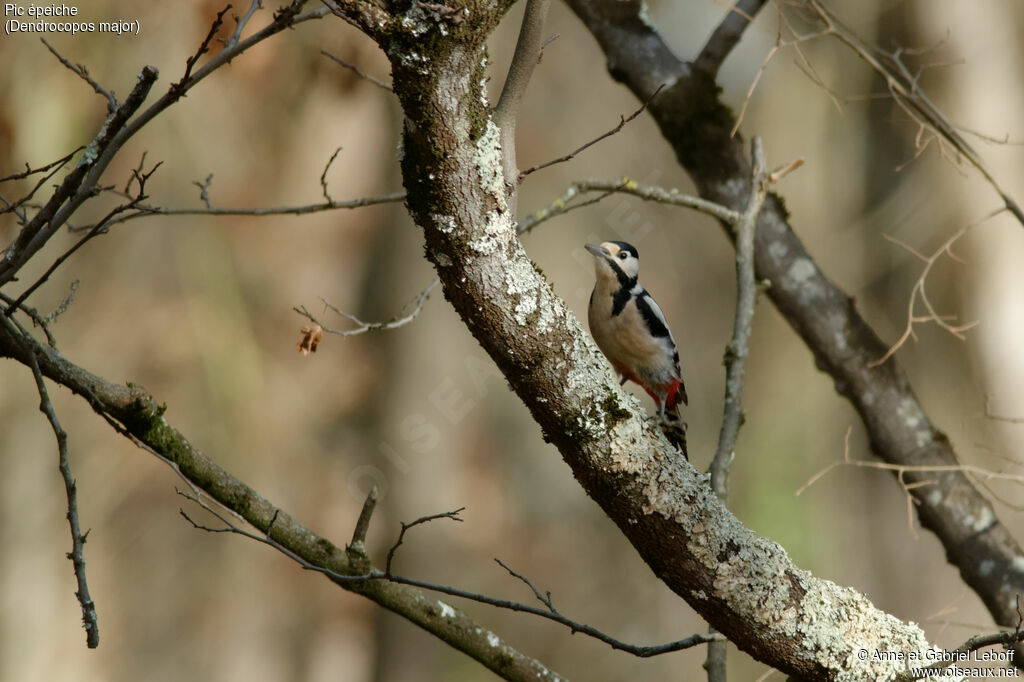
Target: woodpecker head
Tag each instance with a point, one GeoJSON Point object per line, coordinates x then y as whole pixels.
{"type": "Point", "coordinates": [616, 259]}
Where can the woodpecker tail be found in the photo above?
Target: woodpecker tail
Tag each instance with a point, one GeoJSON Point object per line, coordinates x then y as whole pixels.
{"type": "Point", "coordinates": [674, 428]}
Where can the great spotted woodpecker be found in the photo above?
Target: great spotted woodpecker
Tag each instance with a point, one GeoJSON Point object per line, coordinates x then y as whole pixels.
{"type": "Point", "coordinates": [631, 331]}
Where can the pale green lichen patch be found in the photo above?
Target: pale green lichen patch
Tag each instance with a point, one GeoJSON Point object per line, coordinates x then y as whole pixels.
{"type": "Point", "coordinates": [909, 410]}
{"type": "Point", "coordinates": [487, 159]}
{"type": "Point", "coordinates": [497, 229]}
{"type": "Point", "coordinates": [445, 224]}
{"type": "Point", "coordinates": [756, 578]}
{"type": "Point", "coordinates": [801, 279]}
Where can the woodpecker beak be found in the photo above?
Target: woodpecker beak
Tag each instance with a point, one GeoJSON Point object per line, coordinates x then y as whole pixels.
{"type": "Point", "coordinates": [596, 250]}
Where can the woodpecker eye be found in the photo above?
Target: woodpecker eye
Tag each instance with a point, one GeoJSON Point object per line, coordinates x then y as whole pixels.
{"type": "Point", "coordinates": [623, 255]}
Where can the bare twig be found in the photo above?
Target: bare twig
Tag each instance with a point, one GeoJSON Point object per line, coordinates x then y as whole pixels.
{"type": "Point", "coordinates": [363, 327]}
{"type": "Point", "coordinates": [323, 176]}
{"type": "Point", "coordinates": [81, 183]}
{"type": "Point", "coordinates": [33, 314]}
{"type": "Point", "coordinates": [550, 613]}
{"type": "Point", "coordinates": [726, 35]}
{"type": "Point", "coordinates": [89, 620]}
{"type": "Point", "coordinates": [363, 524]}
{"type": "Point", "coordinates": [736, 359]}
{"type": "Point", "coordinates": [746, 298]}
{"type": "Point", "coordinates": [672, 197]}
{"type": "Point", "coordinates": [919, 291]}
{"type": "Point", "coordinates": [525, 58]}
{"type": "Point", "coordinates": [204, 47]}
{"type": "Point", "coordinates": [126, 408]}
{"type": "Point", "coordinates": [145, 210]}
{"type": "Point", "coordinates": [53, 168]}
{"type": "Point", "coordinates": [83, 73]}
{"type": "Point", "coordinates": [453, 515]}
{"type": "Point", "coordinates": [42, 169]}
{"type": "Point", "coordinates": [782, 41]}
{"type": "Point", "coordinates": [901, 469]}
{"type": "Point", "coordinates": [204, 191]}
{"type": "Point", "coordinates": [240, 23]}
{"type": "Point", "coordinates": [623, 120]}
{"type": "Point", "coordinates": [639, 651]}
{"type": "Point", "coordinates": [100, 228]}
{"type": "Point", "coordinates": [355, 69]}
{"type": "Point", "coordinates": [544, 599]}
{"type": "Point", "coordinates": [907, 92]}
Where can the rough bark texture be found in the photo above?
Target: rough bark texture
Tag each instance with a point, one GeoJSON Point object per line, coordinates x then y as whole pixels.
{"type": "Point", "coordinates": [697, 125]}
{"type": "Point", "coordinates": [744, 585]}
{"type": "Point", "coordinates": [142, 418]}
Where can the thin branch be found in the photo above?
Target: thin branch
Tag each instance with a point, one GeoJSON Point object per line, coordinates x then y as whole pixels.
{"type": "Point", "coordinates": [726, 35]}
{"type": "Point", "coordinates": [738, 348]}
{"type": "Point", "coordinates": [900, 469]}
{"type": "Point", "coordinates": [919, 290]}
{"type": "Point", "coordinates": [81, 183]}
{"type": "Point", "coordinates": [42, 169]}
{"type": "Point", "coordinates": [134, 414]}
{"type": "Point", "coordinates": [53, 168]}
{"type": "Point", "coordinates": [100, 228]}
{"type": "Point", "coordinates": [83, 73]}
{"type": "Point", "coordinates": [525, 58]}
{"type": "Point", "coordinates": [671, 197]}
{"type": "Point", "coordinates": [736, 359]}
{"type": "Point", "coordinates": [33, 314]}
{"type": "Point", "coordinates": [323, 176]}
{"type": "Point", "coordinates": [89, 620]}
{"type": "Point", "coordinates": [363, 327]}
{"type": "Point", "coordinates": [781, 43]}
{"type": "Point", "coordinates": [638, 651]}
{"type": "Point", "coordinates": [204, 47]}
{"type": "Point", "coordinates": [453, 515]}
{"type": "Point", "coordinates": [571, 155]}
{"type": "Point", "coordinates": [379, 83]}
{"type": "Point", "coordinates": [146, 210]}
{"type": "Point", "coordinates": [906, 91]}
{"type": "Point", "coordinates": [544, 599]}
{"type": "Point", "coordinates": [550, 613]}
{"type": "Point", "coordinates": [363, 524]}
{"type": "Point", "coordinates": [240, 23]}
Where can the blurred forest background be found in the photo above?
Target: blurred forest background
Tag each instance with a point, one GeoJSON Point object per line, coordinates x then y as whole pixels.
{"type": "Point", "coordinates": [199, 311]}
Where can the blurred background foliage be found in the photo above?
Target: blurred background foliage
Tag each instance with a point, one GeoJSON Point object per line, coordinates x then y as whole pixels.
{"type": "Point", "coordinates": [199, 311]}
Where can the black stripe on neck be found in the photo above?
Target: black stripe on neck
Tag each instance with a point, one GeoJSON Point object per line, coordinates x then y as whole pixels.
{"type": "Point", "coordinates": [625, 282]}
{"type": "Point", "coordinates": [620, 299]}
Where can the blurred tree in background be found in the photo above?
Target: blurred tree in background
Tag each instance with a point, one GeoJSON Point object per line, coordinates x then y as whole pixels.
{"type": "Point", "coordinates": [197, 307]}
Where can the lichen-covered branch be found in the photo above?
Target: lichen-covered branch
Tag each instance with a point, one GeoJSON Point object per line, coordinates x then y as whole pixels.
{"type": "Point", "coordinates": [139, 417]}
{"type": "Point", "coordinates": [744, 585]}
{"type": "Point", "coordinates": [697, 125]}
{"type": "Point", "coordinates": [82, 183]}
{"type": "Point", "coordinates": [726, 35]}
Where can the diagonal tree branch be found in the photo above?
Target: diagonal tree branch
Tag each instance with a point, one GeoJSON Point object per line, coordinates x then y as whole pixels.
{"type": "Point", "coordinates": [506, 112]}
{"type": "Point", "coordinates": [726, 35]}
{"type": "Point", "coordinates": [82, 183]}
{"type": "Point", "coordinates": [697, 125]}
{"type": "Point", "coordinates": [137, 415]}
{"type": "Point", "coordinates": [908, 94]}
{"type": "Point", "coordinates": [76, 555]}
{"type": "Point", "coordinates": [744, 585]}
{"type": "Point", "coordinates": [736, 360]}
